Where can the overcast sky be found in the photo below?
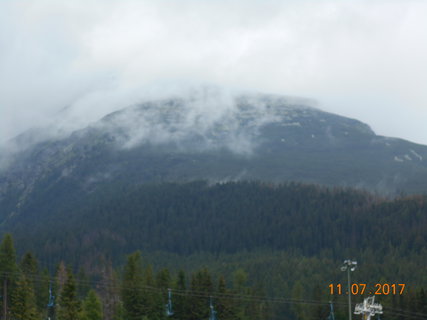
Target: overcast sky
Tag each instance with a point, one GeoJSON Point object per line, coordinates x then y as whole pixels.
{"type": "Point", "coordinates": [362, 59]}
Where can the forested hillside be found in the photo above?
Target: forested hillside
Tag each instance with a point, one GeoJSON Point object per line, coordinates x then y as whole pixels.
{"type": "Point", "coordinates": [137, 291]}
{"type": "Point", "coordinates": [225, 218]}
{"type": "Point", "coordinates": [290, 239]}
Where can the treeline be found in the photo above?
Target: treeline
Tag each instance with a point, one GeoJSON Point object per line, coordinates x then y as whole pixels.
{"type": "Point", "coordinates": [133, 292]}
{"type": "Point", "coordinates": [281, 235]}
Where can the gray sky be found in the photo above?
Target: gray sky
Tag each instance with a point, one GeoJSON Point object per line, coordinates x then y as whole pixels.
{"type": "Point", "coordinates": [362, 59]}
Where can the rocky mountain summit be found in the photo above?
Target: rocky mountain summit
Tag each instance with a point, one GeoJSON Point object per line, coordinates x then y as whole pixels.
{"type": "Point", "coordinates": [249, 137]}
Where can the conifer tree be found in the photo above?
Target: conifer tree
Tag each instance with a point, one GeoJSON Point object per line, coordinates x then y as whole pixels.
{"type": "Point", "coordinates": [29, 265]}
{"type": "Point", "coordinates": [69, 305]}
{"type": "Point", "coordinates": [7, 255]}
{"type": "Point", "coordinates": [239, 286]}
{"type": "Point", "coordinates": [180, 307]}
{"type": "Point", "coordinates": [8, 270]}
{"type": "Point", "coordinates": [109, 292]}
{"type": "Point", "coordinates": [298, 294]}
{"type": "Point", "coordinates": [201, 282]}
{"type": "Point", "coordinates": [240, 279]}
{"type": "Point", "coordinates": [132, 295]}
{"type": "Point", "coordinates": [61, 276]}
{"type": "Point", "coordinates": [119, 312]}
{"type": "Point", "coordinates": [83, 286]}
{"type": "Point", "coordinates": [23, 305]}
{"type": "Point", "coordinates": [222, 306]}
{"type": "Point", "coordinates": [153, 301]}
{"type": "Point", "coordinates": [42, 288]}
{"type": "Point", "coordinates": [92, 309]}
{"type": "Point", "coordinates": [163, 279]}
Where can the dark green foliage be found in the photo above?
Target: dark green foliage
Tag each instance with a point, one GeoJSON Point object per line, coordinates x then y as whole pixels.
{"type": "Point", "coordinates": [163, 279]}
{"type": "Point", "coordinates": [240, 281]}
{"type": "Point", "coordinates": [144, 297]}
{"type": "Point", "coordinates": [83, 286]}
{"type": "Point", "coordinates": [92, 309]}
{"type": "Point", "coordinates": [153, 299]}
{"type": "Point", "coordinates": [39, 282]}
{"type": "Point", "coordinates": [7, 257]}
{"type": "Point", "coordinates": [202, 285]}
{"type": "Point", "coordinates": [42, 288]}
{"type": "Point", "coordinates": [29, 264]}
{"type": "Point", "coordinates": [23, 302]}
{"type": "Point", "coordinates": [226, 308]}
{"type": "Point", "coordinates": [69, 305]}
{"type": "Point", "coordinates": [228, 218]}
{"type": "Point", "coordinates": [8, 270]}
{"type": "Point", "coordinates": [180, 301]}
{"type": "Point", "coordinates": [134, 300]}
{"type": "Point", "coordinates": [274, 235]}
{"type": "Point", "coordinates": [119, 312]}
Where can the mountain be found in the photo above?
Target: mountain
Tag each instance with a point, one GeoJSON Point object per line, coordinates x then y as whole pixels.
{"type": "Point", "coordinates": [249, 137]}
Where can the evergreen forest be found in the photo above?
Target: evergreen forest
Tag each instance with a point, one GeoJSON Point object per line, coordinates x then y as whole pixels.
{"type": "Point", "coordinates": [236, 250]}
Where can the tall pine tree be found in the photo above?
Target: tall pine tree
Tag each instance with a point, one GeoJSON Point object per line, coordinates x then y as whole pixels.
{"type": "Point", "coordinates": [180, 305]}
{"type": "Point", "coordinates": [23, 305]}
{"type": "Point", "coordinates": [8, 270]}
{"type": "Point", "coordinates": [133, 298]}
{"type": "Point", "coordinates": [69, 305]}
{"type": "Point", "coordinates": [92, 308]}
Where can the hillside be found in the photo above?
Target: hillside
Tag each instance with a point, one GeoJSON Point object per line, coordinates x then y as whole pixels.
{"type": "Point", "coordinates": [265, 138]}
{"type": "Point", "coordinates": [229, 219]}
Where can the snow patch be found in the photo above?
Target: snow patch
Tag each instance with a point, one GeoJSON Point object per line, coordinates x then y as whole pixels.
{"type": "Point", "coordinates": [291, 124]}
{"type": "Point", "coordinates": [416, 154]}
{"type": "Point", "coordinates": [396, 158]}
{"type": "Point", "coordinates": [407, 157]}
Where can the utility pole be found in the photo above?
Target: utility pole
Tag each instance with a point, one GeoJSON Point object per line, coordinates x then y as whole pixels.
{"type": "Point", "coordinates": [331, 314]}
{"type": "Point", "coordinates": [169, 311]}
{"type": "Point", "coordinates": [368, 308]}
{"type": "Point", "coordinates": [51, 304]}
{"type": "Point", "coordinates": [212, 314]}
{"type": "Point", "coordinates": [348, 266]}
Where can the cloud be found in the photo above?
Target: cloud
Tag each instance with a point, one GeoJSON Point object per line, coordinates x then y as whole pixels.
{"type": "Point", "coordinates": [199, 118]}
{"type": "Point", "coordinates": [362, 59]}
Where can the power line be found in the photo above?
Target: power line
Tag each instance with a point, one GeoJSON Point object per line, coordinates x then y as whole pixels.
{"type": "Point", "coordinates": [110, 284]}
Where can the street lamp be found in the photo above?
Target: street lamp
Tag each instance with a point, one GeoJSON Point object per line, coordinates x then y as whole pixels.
{"type": "Point", "coordinates": [348, 266]}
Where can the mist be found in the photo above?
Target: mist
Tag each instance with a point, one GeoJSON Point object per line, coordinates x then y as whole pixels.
{"type": "Point", "coordinates": [64, 65]}
{"type": "Point", "coordinates": [200, 119]}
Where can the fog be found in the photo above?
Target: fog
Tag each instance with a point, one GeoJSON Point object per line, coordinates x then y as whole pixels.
{"type": "Point", "coordinates": [202, 118]}
{"type": "Point", "coordinates": [64, 65]}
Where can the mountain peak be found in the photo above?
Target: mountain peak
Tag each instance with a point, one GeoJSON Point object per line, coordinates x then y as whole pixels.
{"type": "Point", "coordinates": [241, 137]}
